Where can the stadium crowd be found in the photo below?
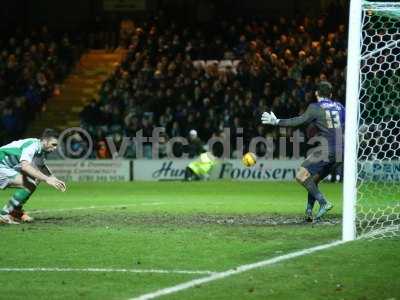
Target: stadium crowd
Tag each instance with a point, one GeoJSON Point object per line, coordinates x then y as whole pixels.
{"type": "Point", "coordinates": [30, 67]}
{"type": "Point", "coordinates": [265, 65]}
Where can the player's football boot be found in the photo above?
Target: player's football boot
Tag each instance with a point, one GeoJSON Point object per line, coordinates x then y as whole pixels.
{"type": "Point", "coordinates": [308, 215]}
{"type": "Point", "coordinates": [323, 210]}
{"type": "Point", "coordinates": [20, 215]}
{"type": "Point", "coordinates": [7, 219]}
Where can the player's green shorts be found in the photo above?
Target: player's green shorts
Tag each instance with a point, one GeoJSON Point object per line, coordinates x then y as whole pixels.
{"type": "Point", "coordinates": [6, 174]}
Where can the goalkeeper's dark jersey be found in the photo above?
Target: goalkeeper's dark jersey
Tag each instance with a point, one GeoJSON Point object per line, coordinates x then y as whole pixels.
{"type": "Point", "coordinates": [328, 117]}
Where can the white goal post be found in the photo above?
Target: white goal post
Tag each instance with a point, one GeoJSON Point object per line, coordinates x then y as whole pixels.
{"type": "Point", "coordinates": [371, 188]}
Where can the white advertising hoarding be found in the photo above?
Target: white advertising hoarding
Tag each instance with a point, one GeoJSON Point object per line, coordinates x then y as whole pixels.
{"type": "Point", "coordinates": [164, 169]}
{"type": "Point", "coordinates": [379, 170]}
{"type": "Point", "coordinates": [90, 170]}
{"type": "Point", "coordinates": [227, 169]}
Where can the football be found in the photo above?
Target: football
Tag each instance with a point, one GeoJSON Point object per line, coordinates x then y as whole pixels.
{"type": "Point", "coordinates": [249, 159]}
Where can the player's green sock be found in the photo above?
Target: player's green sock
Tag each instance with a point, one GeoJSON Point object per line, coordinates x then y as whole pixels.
{"type": "Point", "coordinates": [312, 189]}
{"type": "Point", "coordinates": [17, 200]}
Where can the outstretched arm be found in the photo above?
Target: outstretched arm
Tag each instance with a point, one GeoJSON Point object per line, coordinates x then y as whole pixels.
{"type": "Point", "coordinates": [30, 170]}
{"type": "Point", "coordinates": [307, 117]}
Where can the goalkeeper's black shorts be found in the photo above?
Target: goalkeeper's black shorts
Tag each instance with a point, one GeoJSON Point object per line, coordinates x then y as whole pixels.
{"type": "Point", "coordinates": [321, 163]}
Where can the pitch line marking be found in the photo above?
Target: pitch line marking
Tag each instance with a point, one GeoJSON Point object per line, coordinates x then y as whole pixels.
{"type": "Point", "coordinates": [234, 271]}
{"type": "Point", "coordinates": [106, 270]}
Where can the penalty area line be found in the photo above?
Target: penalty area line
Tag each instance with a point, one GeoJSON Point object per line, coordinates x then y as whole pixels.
{"type": "Point", "coordinates": [234, 271]}
{"type": "Point", "coordinates": [106, 270]}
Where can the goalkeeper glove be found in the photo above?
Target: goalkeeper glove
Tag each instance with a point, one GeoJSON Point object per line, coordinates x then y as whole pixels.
{"type": "Point", "coordinates": [269, 118]}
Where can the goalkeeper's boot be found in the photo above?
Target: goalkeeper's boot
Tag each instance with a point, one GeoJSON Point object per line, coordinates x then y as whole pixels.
{"type": "Point", "coordinates": [7, 219]}
{"type": "Point", "coordinates": [20, 215]}
{"type": "Point", "coordinates": [323, 210]}
{"type": "Point", "coordinates": [308, 215]}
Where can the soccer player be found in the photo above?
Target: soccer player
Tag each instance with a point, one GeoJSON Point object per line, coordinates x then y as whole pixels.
{"type": "Point", "coordinates": [22, 167]}
{"type": "Point", "coordinates": [328, 116]}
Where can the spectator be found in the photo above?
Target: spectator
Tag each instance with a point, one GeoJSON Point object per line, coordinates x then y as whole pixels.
{"type": "Point", "coordinates": [30, 67]}
{"type": "Point", "coordinates": [279, 64]}
{"type": "Point", "coordinates": [195, 146]}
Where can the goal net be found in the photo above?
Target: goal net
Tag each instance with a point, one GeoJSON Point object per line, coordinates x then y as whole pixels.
{"type": "Point", "coordinates": [378, 177]}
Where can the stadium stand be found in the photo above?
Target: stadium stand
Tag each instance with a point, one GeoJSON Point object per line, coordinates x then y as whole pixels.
{"type": "Point", "coordinates": [31, 68]}
{"type": "Point", "coordinates": [222, 75]}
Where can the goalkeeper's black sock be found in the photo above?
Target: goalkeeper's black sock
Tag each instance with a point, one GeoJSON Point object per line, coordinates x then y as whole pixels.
{"type": "Point", "coordinates": [313, 190]}
{"type": "Point", "coordinates": [310, 202]}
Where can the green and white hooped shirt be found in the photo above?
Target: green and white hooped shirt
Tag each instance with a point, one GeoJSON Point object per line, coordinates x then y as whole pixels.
{"type": "Point", "coordinates": [13, 153]}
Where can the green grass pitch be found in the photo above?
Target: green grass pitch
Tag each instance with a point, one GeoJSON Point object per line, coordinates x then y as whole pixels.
{"type": "Point", "coordinates": [169, 226]}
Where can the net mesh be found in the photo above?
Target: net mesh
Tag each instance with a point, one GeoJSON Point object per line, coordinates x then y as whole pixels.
{"type": "Point", "coordinates": [378, 185]}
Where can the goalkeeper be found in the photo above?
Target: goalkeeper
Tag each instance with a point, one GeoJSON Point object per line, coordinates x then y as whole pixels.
{"type": "Point", "coordinates": [22, 167]}
{"type": "Point", "coordinates": [328, 116]}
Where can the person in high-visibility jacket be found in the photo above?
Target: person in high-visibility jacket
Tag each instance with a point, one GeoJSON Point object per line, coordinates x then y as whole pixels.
{"type": "Point", "coordinates": [201, 167]}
